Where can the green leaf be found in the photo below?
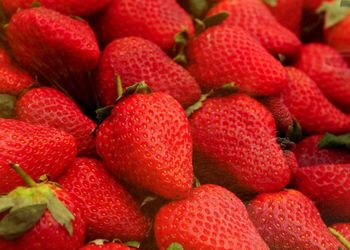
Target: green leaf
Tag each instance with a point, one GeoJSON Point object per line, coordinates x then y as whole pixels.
{"type": "Point", "coordinates": [334, 11]}
{"type": "Point", "coordinates": [216, 19]}
{"type": "Point", "coordinates": [272, 3]}
{"type": "Point", "coordinates": [181, 41]}
{"type": "Point", "coordinates": [134, 244]}
{"type": "Point", "coordinates": [175, 246]}
{"type": "Point", "coordinates": [198, 8]}
{"type": "Point", "coordinates": [60, 213]}
{"type": "Point", "coordinates": [196, 106]}
{"type": "Point", "coordinates": [7, 106]}
{"type": "Point", "coordinates": [20, 220]}
{"type": "Point", "coordinates": [340, 237]}
{"type": "Point", "coordinates": [330, 140]}
{"type": "Point", "coordinates": [295, 132]}
{"type": "Point", "coordinates": [6, 203]}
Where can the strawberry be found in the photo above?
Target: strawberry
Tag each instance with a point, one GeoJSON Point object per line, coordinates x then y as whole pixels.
{"type": "Point", "coordinates": [235, 145]}
{"type": "Point", "coordinates": [158, 155]}
{"type": "Point", "coordinates": [223, 55]}
{"type": "Point", "coordinates": [68, 7]}
{"type": "Point", "coordinates": [134, 60]}
{"type": "Point", "coordinates": [13, 80]}
{"type": "Point", "coordinates": [105, 246]}
{"type": "Point", "coordinates": [329, 187]}
{"type": "Point", "coordinates": [329, 70]}
{"type": "Point", "coordinates": [308, 153]}
{"type": "Point", "coordinates": [313, 5]}
{"type": "Point", "coordinates": [157, 21]}
{"type": "Point", "coordinates": [289, 220]}
{"type": "Point", "coordinates": [311, 108]}
{"type": "Point", "coordinates": [39, 149]}
{"type": "Point", "coordinates": [41, 216]}
{"type": "Point", "coordinates": [291, 161]}
{"type": "Point", "coordinates": [288, 13]}
{"type": "Point", "coordinates": [4, 58]}
{"type": "Point", "coordinates": [211, 217]}
{"type": "Point", "coordinates": [110, 210]}
{"type": "Point", "coordinates": [47, 106]}
{"type": "Point", "coordinates": [255, 18]}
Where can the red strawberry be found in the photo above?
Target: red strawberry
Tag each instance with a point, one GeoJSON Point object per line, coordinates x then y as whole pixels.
{"type": "Point", "coordinates": [310, 107]}
{"type": "Point", "coordinates": [111, 213]}
{"type": "Point", "coordinates": [289, 220]}
{"type": "Point", "coordinates": [147, 142]}
{"type": "Point", "coordinates": [308, 153]}
{"type": "Point", "coordinates": [47, 106]}
{"type": "Point", "coordinates": [329, 187]}
{"type": "Point", "coordinates": [13, 80]}
{"type": "Point", "coordinates": [287, 12]}
{"type": "Point", "coordinates": [210, 218]}
{"type": "Point", "coordinates": [235, 145]}
{"type": "Point", "coordinates": [134, 60]}
{"type": "Point", "coordinates": [68, 7]}
{"type": "Point", "coordinates": [291, 161]}
{"type": "Point", "coordinates": [343, 228]}
{"type": "Point", "coordinates": [42, 216]}
{"type": "Point", "coordinates": [157, 21]}
{"type": "Point", "coordinates": [106, 246]}
{"type": "Point", "coordinates": [223, 55]}
{"type": "Point", "coordinates": [329, 70]}
{"type": "Point", "coordinates": [255, 18]}
{"type": "Point", "coordinates": [40, 150]}
{"type": "Point", "coordinates": [4, 58]}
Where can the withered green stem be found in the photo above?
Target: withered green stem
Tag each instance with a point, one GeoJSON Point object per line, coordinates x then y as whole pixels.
{"type": "Point", "coordinates": [29, 181]}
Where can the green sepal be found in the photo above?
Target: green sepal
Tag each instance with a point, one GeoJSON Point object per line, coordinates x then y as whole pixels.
{"type": "Point", "coordinates": [216, 19]}
{"type": "Point", "coordinates": [5, 203]}
{"type": "Point", "coordinates": [198, 8]}
{"type": "Point", "coordinates": [181, 41]}
{"type": "Point", "coordinates": [295, 132]}
{"type": "Point", "coordinates": [134, 244]}
{"type": "Point", "coordinates": [175, 246]}
{"type": "Point", "coordinates": [35, 4]}
{"type": "Point", "coordinates": [147, 200]}
{"type": "Point", "coordinates": [335, 12]}
{"type": "Point", "coordinates": [272, 3]}
{"type": "Point", "coordinates": [98, 242]}
{"type": "Point", "coordinates": [330, 140]}
{"type": "Point", "coordinates": [197, 183]}
{"type": "Point", "coordinates": [7, 106]}
{"type": "Point", "coordinates": [340, 238]}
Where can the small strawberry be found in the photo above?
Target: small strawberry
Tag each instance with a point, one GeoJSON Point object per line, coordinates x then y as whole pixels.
{"type": "Point", "coordinates": [235, 145]}
{"type": "Point", "coordinates": [146, 141]}
{"type": "Point", "coordinates": [210, 218]}
{"type": "Point", "coordinates": [47, 106]}
{"type": "Point", "coordinates": [158, 21]}
{"type": "Point", "coordinates": [255, 18]}
{"type": "Point", "coordinates": [111, 212]}
{"type": "Point", "coordinates": [97, 244]}
{"type": "Point", "coordinates": [329, 187]}
{"type": "Point", "coordinates": [289, 220]}
{"type": "Point", "coordinates": [39, 149]}
{"type": "Point", "coordinates": [223, 55]}
{"type": "Point", "coordinates": [329, 70]}
{"type": "Point", "coordinates": [68, 7]}
{"type": "Point", "coordinates": [309, 153]}
{"type": "Point", "coordinates": [134, 60]}
{"type": "Point", "coordinates": [41, 216]}
{"type": "Point", "coordinates": [310, 107]}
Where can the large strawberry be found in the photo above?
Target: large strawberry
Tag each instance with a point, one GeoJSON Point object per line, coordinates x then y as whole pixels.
{"type": "Point", "coordinates": [235, 145]}
{"type": "Point", "coordinates": [147, 142]}
{"type": "Point", "coordinates": [157, 21]}
{"type": "Point", "coordinates": [111, 213]}
{"type": "Point", "coordinates": [311, 108]}
{"type": "Point", "coordinates": [255, 18]}
{"type": "Point", "coordinates": [309, 153]}
{"type": "Point", "coordinates": [39, 149]}
{"type": "Point", "coordinates": [134, 60]}
{"type": "Point", "coordinates": [289, 220]}
{"type": "Point", "coordinates": [47, 106]}
{"type": "Point", "coordinates": [68, 7]}
{"type": "Point", "coordinates": [210, 218]}
{"type": "Point", "coordinates": [41, 216]}
{"type": "Point", "coordinates": [329, 187]}
{"type": "Point", "coordinates": [329, 70]}
{"type": "Point", "coordinates": [223, 55]}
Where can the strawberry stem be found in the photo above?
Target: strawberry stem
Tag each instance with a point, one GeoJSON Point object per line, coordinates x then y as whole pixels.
{"type": "Point", "coordinates": [28, 180]}
{"type": "Point", "coordinates": [340, 237]}
{"type": "Point", "coordinates": [119, 86]}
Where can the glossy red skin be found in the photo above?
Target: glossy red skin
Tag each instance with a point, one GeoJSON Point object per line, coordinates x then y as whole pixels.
{"type": "Point", "coordinates": [314, 4]}
{"type": "Point", "coordinates": [234, 146]}
{"type": "Point", "coordinates": [255, 18]}
{"type": "Point", "coordinates": [13, 80]}
{"type": "Point", "coordinates": [38, 149]}
{"type": "Point", "coordinates": [310, 107]}
{"type": "Point", "coordinates": [289, 220]}
{"type": "Point", "coordinates": [146, 141]}
{"type": "Point", "coordinates": [210, 218]}
{"type": "Point", "coordinates": [308, 153]}
{"type": "Point", "coordinates": [221, 55]}
{"type": "Point", "coordinates": [329, 70]}
{"type": "Point", "coordinates": [68, 7]}
{"type": "Point", "coordinates": [134, 60]}
{"type": "Point", "coordinates": [111, 212]}
{"type": "Point", "coordinates": [50, 107]}
{"type": "Point", "coordinates": [291, 161]}
{"type": "Point", "coordinates": [288, 13]}
{"type": "Point", "coordinates": [106, 246]}
{"type": "Point", "coordinates": [48, 234]}
{"type": "Point", "coordinates": [343, 228]}
{"type": "Point", "coordinates": [329, 187]}
{"type": "Point", "coordinates": [158, 21]}
{"type": "Point", "coordinates": [52, 45]}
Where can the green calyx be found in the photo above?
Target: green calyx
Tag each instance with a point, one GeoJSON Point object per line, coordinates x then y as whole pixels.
{"type": "Point", "coordinates": [7, 106]}
{"type": "Point", "coordinates": [216, 19]}
{"type": "Point", "coordinates": [35, 4]}
{"type": "Point", "coordinates": [24, 207]}
{"type": "Point", "coordinates": [175, 246]}
{"type": "Point", "coordinates": [340, 237]}
{"type": "Point", "coordinates": [335, 12]}
{"type": "Point", "coordinates": [330, 140]}
{"type": "Point", "coordinates": [272, 3]}
{"type": "Point", "coordinates": [294, 132]}
{"type": "Point", "coordinates": [181, 41]}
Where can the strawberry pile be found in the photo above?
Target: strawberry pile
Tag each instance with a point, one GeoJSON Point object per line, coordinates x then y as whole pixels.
{"type": "Point", "coordinates": [175, 125]}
